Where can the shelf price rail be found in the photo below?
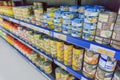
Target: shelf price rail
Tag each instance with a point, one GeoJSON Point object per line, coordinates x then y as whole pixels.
{"type": "Point", "coordinates": [49, 77]}
{"type": "Point", "coordinates": [70, 70]}
{"type": "Point", "coordinates": [76, 41]}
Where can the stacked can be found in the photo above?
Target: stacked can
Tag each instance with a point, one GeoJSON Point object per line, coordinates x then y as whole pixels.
{"type": "Point", "coordinates": [60, 50]}
{"type": "Point", "coordinates": [50, 17]}
{"type": "Point", "coordinates": [81, 10]}
{"type": "Point", "coordinates": [90, 22]}
{"type": "Point", "coordinates": [47, 67]}
{"type": "Point", "coordinates": [77, 58]}
{"type": "Point", "coordinates": [47, 45]}
{"type": "Point", "coordinates": [67, 19]}
{"type": "Point", "coordinates": [58, 21]}
{"type": "Point", "coordinates": [77, 25]}
{"type": "Point", "coordinates": [105, 27]}
{"type": "Point", "coordinates": [43, 20]}
{"type": "Point", "coordinates": [90, 63]}
{"type": "Point", "coordinates": [115, 42]}
{"type": "Point", "coordinates": [68, 51]}
{"type": "Point", "coordinates": [53, 48]}
{"type": "Point", "coordinates": [105, 68]}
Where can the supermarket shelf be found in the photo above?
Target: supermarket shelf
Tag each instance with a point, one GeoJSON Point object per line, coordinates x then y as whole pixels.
{"type": "Point", "coordinates": [70, 70]}
{"type": "Point", "coordinates": [27, 44]}
{"type": "Point", "coordinates": [76, 41]}
{"type": "Point", "coordinates": [30, 62]}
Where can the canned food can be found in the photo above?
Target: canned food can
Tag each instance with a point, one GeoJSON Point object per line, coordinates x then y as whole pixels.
{"type": "Point", "coordinates": [103, 75]}
{"type": "Point", "coordinates": [58, 28]}
{"type": "Point", "coordinates": [76, 33]}
{"type": "Point", "coordinates": [73, 8]}
{"type": "Point", "coordinates": [81, 15]}
{"type": "Point", "coordinates": [91, 57]}
{"type": "Point", "coordinates": [64, 75]}
{"type": "Point", "coordinates": [87, 36]}
{"type": "Point", "coordinates": [116, 35]}
{"type": "Point", "coordinates": [64, 8]}
{"type": "Point", "coordinates": [89, 70]}
{"type": "Point", "coordinates": [107, 63]}
{"type": "Point", "coordinates": [69, 15]}
{"type": "Point", "coordinates": [58, 73]}
{"type": "Point", "coordinates": [90, 19]}
{"type": "Point", "coordinates": [66, 30]}
{"type": "Point", "coordinates": [47, 67]}
{"type": "Point", "coordinates": [77, 58]}
{"type": "Point", "coordinates": [116, 75]}
{"type": "Point", "coordinates": [66, 21]}
{"type": "Point", "coordinates": [115, 44]}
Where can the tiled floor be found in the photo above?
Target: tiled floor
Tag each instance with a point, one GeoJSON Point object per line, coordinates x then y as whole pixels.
{"type": "Point", "coordinates": [13, 67]}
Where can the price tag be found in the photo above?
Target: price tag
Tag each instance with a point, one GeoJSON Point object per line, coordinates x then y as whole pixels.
{"type": "Point", "coordinates": [102, 50]}
{"type": "Point", "coordinates": [14, 20]}
{"type": "Point", "coordinates": [60, 36]}
{"type": "Point", "coordinates": [44, 31]}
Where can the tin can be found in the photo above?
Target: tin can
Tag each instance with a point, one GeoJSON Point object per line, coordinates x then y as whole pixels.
{"type": "Point", "coordinates": [90, 19]}
{"type": "Point", "coordinates": [116, 75]}
{"type": "Point", "coordinates": [69, 15]}
{"type": "Point", "coordinates": [73, 8]}
{"type": "Point", "coordinates": [58, 73]}
{"type": "Point", "coordinates": [107, 63]}
{"type": "Point", "coordinates": [64, 75]}
{"type": "Point", "coordinates": [116, 35]}
{"type": "Point", "coordinates": [60, 50]}
{"type": "Point", "coordinates": [68, 54]}
{"type": "Point", "coordinates": [66, 30]}
{"type": "Point", "coordinates": [115, 44]}
{"type": "Point", "coordinates": [87, 36]}
{"type": "Point", "coordinates": [47, 67]}
{"type": "Point", "coordinates": [91, 57]}
{"type": "Point", "coordinates": [58, 28]}
{"type": "Point", "coordinates": [76, 33]}
{"type": "Point", "coordinates": [103, 75]}
{"type": "Point", "coordinates": [77, 58]}
{"type": "Point", "coordinates": [89, 70]}
{"type": "Point", "coordinates": [64, 8]}
{"type": "Point", "coordinates": [53, 48]}
{"type": "Point", "coordinates": [81, 15]}
{"type": "Point", "coordinates": [47, 45]}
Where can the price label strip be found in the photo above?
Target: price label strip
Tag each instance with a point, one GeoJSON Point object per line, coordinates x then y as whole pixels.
{"type": "Point", "coordinates": [102, 50]}
{"type": "Point", "coordinates": [14, 20]}
{"type": "Point", "coordinates": [44, 31]}
{"type": "Point", "coordinates": [60, 36]}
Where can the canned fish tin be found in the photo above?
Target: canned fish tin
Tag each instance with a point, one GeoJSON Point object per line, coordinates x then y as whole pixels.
{"type": "Point", "coordinates": [115, 44]}
{"type": "Point", "coordinates": [60, 50]}
{"type": "Point", "coordinates": [69, 15]}
{"type": "Point", "coordinates": [91, 11]}
{"type": "Point", "coordinates": [105, 26]}
{"type": "Point", "coordinates": [107, 63]}
{"type": "Point", "coordinates": [116, 36]}
{"type": "Point", "coordinates": [58, 28]}
{"type": "Point", "coordinates": [91, 57]}
{"type": "Point", "coordinates": [90, 25]}
{"type": "Point", "coordinates": [68, 26]}
{"type": "Point", "coordinates": [57, 14]}
{"type": "Point", "coordinates": [64, 8]}
{"type": "Point", "coordinates": [102, 40]}
{"type": "Point", "coordinates": [66, 30]}
{"type": "Point", "coordinates": [87, 36]}
{"type": "Point", "coordinates": [116, 75]}
{"type": "Point", "coordinates": [89, 31]}
{"type": "Point", "coordinates": [64, 75]}
{"type": "Point", "coordinates": [103, 75]}
{"type": "Point", "coordinates": [53, 48]}
{"type": "Point", "coordinates": [81, 9]}
{"type": "Point", "coordinates": [107, 16]}
{"type": "Point", "coordinates": [77, 24]}
{"type": "Point", "coordinates": [89, 70]}
{"type": "Point", "coordinates": [77, 58]}
{"type": "Point", "coordinates": [81, 15]}
{"type": "Point", "coordinates": [68, 54]}
{"type": "Point", "coordinates": [76, 33]}
{"type": "Point", "coordinates": [73, 8]}
{"type": "Point", "coordinates": [90, 19]}
{"type": "Point", "coordinates": [66, 21]}
{"type": "Point", "coordinates": [47, 67]}
{"type": "Point", "coordinates": [58, 73]}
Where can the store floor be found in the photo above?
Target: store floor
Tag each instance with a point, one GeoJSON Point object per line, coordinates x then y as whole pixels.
{"type": "Point", "coordinates": [13, 67]}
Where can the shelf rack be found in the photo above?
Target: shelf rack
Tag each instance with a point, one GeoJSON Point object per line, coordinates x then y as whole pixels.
{"type": "Point", "coordinates": [70, 70]}
{"type": "Point", "coordinates": [102, 49]}
{"type": "Point", "coordinates": [49, 77]}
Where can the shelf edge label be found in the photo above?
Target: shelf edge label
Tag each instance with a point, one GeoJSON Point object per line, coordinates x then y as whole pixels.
{"type": "Point", "coordinates": [44, 31]}
{"type": "Point", "coordinates": [60, 36]}
{"type": "Point", "coordinates": [13, 20]}
{"type": "Point", "coordinates": [102, 50]}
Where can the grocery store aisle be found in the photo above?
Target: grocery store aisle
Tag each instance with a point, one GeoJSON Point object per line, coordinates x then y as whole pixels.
{"type": "Point", "coordinates": [13, 67]}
